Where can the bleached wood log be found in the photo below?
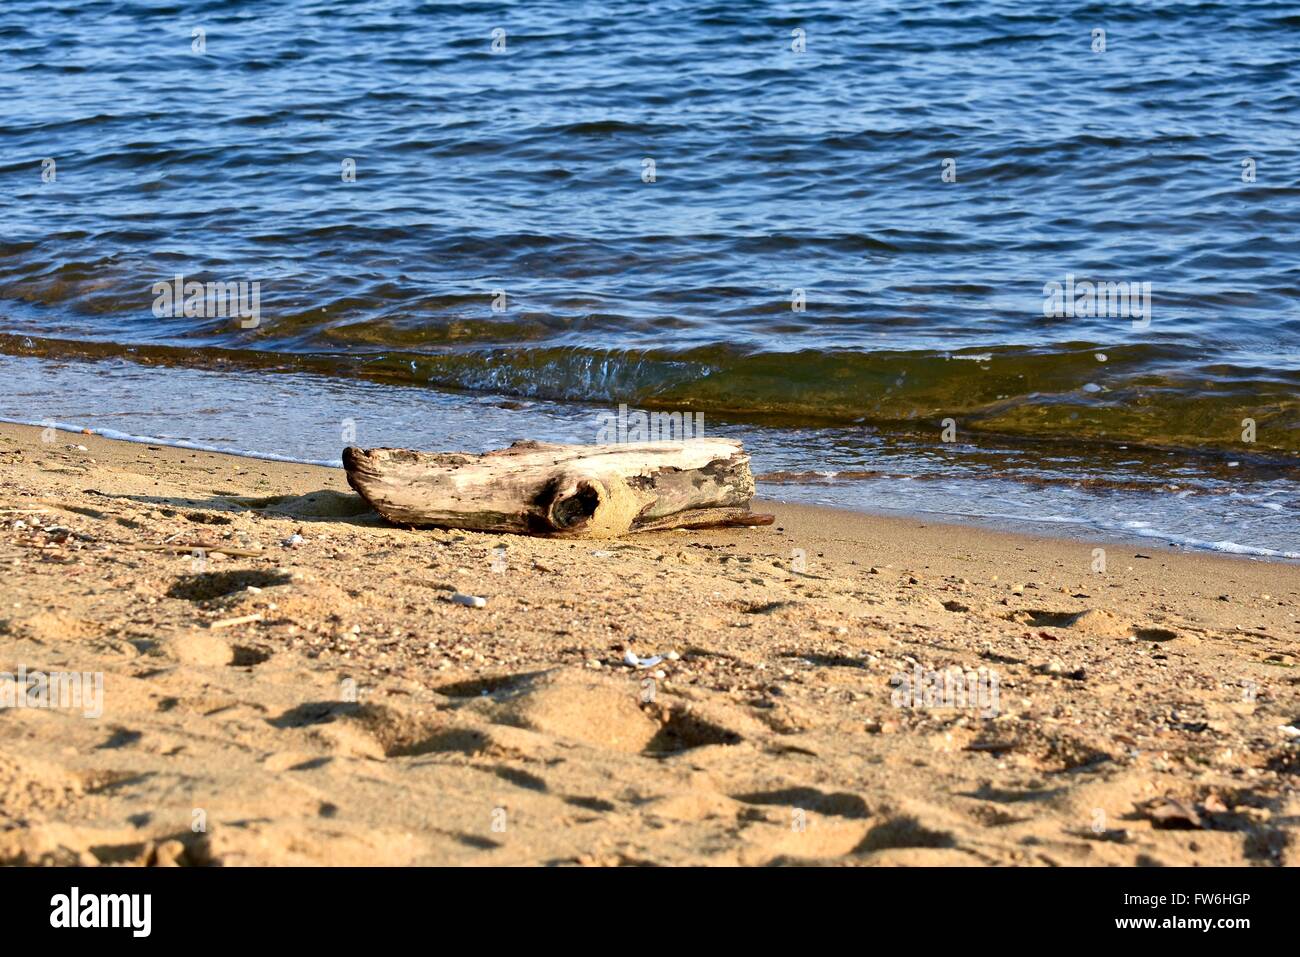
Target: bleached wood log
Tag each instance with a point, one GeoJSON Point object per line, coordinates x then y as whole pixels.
{"type": "Point", "coordinates": [577, 491]}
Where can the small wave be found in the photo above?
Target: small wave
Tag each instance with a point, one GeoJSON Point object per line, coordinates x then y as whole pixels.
{"type": "Point", "coordinates": [1063, 393]}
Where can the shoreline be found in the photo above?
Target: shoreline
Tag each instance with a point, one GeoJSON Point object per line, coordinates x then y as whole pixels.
{"type": "Point", "coordinates": [1136, 496]}
{"type": "Point", "coordinates": [277, 658]}
{"type": "Point", "coordinates": [1060, 531]}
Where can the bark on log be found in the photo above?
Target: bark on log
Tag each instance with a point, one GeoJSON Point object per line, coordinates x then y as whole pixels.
{"type": "Point", "coordinates": [576, 491]}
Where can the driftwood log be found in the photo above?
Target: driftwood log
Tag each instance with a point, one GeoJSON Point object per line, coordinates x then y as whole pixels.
{"type": "Point", "coordinates": [576, 491]}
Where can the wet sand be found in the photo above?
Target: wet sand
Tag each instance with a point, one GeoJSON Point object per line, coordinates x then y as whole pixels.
{"type": "Point", "coordinates": [286, 680]}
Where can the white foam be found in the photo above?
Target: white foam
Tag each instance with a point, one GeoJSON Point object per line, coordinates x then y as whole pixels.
{"type": "Point", "coordinates": [1188, 541]}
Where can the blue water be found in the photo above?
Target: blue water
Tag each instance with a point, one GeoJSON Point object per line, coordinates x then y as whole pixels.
{"type": "Point", "coordinates": [778, 173]}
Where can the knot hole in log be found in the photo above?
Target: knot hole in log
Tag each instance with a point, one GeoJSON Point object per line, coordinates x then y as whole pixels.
{"type": "Point", "coordinates": [577, 508]}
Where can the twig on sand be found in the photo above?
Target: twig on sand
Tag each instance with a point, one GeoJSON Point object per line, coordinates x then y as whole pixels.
{"type": "Point", "coordinates": [231, 622]}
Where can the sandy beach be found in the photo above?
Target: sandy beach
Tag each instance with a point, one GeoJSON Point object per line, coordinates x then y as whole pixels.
{"type": "Point", "coordinates": [285, 679]}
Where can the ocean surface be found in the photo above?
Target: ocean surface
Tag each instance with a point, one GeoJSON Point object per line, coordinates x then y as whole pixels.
{"type": "Point", "coordinates": [856, 235]}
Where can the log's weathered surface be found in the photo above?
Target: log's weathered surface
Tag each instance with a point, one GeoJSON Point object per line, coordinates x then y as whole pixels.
{"type": "Point", "coordinates": [578, 491]}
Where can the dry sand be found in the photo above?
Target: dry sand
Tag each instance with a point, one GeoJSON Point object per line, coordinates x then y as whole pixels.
{"type": "Point", "coordinates": [360, 717]}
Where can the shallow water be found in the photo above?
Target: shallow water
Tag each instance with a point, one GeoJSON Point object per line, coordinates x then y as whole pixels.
{"type": "Point", "coordinates": [517, 180]}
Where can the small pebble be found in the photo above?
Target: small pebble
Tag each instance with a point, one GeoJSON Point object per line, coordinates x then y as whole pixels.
{"type": "Point", "coordinates": [632, 659]}
{"type": "Point", "coordinates": [469, 601]}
